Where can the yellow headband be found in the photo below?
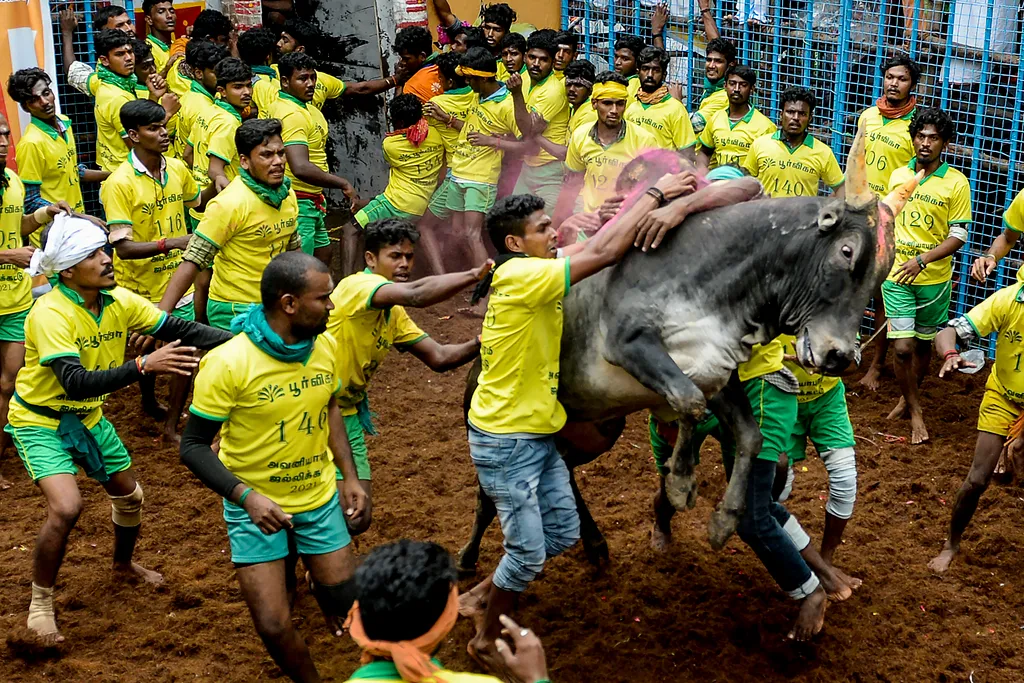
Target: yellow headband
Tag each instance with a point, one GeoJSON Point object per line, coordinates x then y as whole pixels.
{"type": "Point", "coordinates": [609, 91]}
{"type": "Point", "coordinates": [466, 71]}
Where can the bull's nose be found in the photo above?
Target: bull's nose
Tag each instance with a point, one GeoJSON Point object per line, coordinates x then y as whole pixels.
{"type": "Point", "coordinates": [836, 362]}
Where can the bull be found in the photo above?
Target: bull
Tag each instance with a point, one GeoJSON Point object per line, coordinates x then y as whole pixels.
{"type": "Point", "coordinates": [665, 330]}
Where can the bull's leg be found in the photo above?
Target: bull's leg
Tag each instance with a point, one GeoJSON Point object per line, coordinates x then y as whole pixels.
{"type": "Point", "coordinates": [595, 547]}
{"type": "Point", "coordinates": [470, 553]}
{"type": "Point", "coordinates": [732, 408]}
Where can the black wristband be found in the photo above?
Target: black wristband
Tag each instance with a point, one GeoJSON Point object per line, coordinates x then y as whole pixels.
{"type": "Point", "coordinates": [657, 194]}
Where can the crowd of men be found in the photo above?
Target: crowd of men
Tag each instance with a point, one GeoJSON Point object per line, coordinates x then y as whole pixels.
{"type": "Point", "coordinates": [212, 166]}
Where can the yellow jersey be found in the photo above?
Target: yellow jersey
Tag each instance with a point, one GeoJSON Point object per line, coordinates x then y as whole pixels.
{"type": "Point", "coordinates": [111, 149]}
{"type": "Point", "coordinates": [939, 208]}
{"type": "Point", "coordinates": [714, 100]}
{"type": "Point", "coordinates": [47, 157]}
{"type": "Point", "coordinates": [216, 138]}
{"type": "Point", "coordinates": [385, 671]}
{"type": "Point", "coordinates": [265, 86]}
{"type": "Point", "coordinates": [1013, 219]}
{"type": "Point", "coordinates": [764, 360]}
{"type": "Point", "coordinates": [581, 116]}
{"type": "Point", "coordinates": [60, 326]}
{"type": "Point", "coordinates": [155, 210]}
{"type": "Point", "coordinates": [632, 86]}
{"type": "Point", "coordinates": [456, 102]}
{"type": "Point", "coordinates": [328, 87]}
{"type": "Point", "coordinates": [787, 172]}
{"type": "Point", "coordinates": [274, 436]}
{"type": "Point", "coordinates": [248, 233]}
{"type": "Point", "coordinates": [602, 164]}
{"type": "Point", "coordinates": [1003, 312]}
{"type": "Point", "coordinates": [887, 146]}
{"type": "Point", "coordinates": [547, 99]}
{"type": "Point", "coordinates": [197, 108]}
{"type": "Point", "coordinates": [812, 385]}
{"type": "Point", "coordinates": [365, 334]}
{"type": "Point", "coordinates": [303, 125]}
{"type": "Point", "coordinates": [177, 83]}
{"type": "Point", "coordinates": [668, 121]}
{"type": "Point", "coordinates": [522, 336]}
{"type": "Point", "coordinates": [413, 171]}
{"type": "Point", "coordinates": [15, 283]}
{"type": "Point", "coordinates": [492, 115]}
{"type": "Point", "coordinates": [730, 140]}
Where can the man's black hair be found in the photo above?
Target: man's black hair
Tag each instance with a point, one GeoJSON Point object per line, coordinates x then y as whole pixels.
{"type": "Point", "coordinates": [797, 94]}
{"type": "Point", "coordinates": [106, 13]}
{"type": "Point", "coordinates": [403, 589]}
{"type": "Point", "coordinates": [446, 63]}
{"type": "Point", "coordinates": [723, 47]}
{"type": "Point", "coordinates": [142, 49]}
{"type": "Point", "coordinates": [479, 58]}
{"type": "Point", "coordinates": [653, 54]}
{"type": "Point", "coordinates": [202, 54]}
{"type": "Point", "coordinates": [23, 81]}
{"type": "Point", "coordinates": [570, 38]}
{"type": "Point", "coordinates": [610, 77]}
{"type": "Point", "coordinates": [147, 5]}
{"type": "Point", "coordinates": [255, 132]}
{"type": "Point", "coordinates": [389, 231]}
{"type": "Point", "coordinates": [288, 273]}
{"type": "Point", "coordinates": [232, 70]}
{"type": "Point", "coordinates": [902, 60]}
{"type": "Point", "coordinates": [414, 40]}
{"type": "Point", "coordinates": [934, 117]}
{"type": "Point", "coordinates": [295, 61]}
{"type": "Point", "coordinates": [405, 110]}
{"type": "Point", "coordinates": [110, 39]}
{"type": "Point", "coordinates": [544, 39]}
{"type": "Point", "coordinates": [508, 217]}
{"type": "Point", "coordinates": [500, 14]}
{"type": "Point", "coordinates": [304, 33]}
{"type": "Point", "coordinates": [743, 71]}
{"type": "Point", "coordinates": [474, 37]}
{"type": "Point", "coordinates": [581, 68]}
{"type": "Point", "coordinates": [516, 41]}
{"type": "Point", "coordinates": [210, 24]}
{"type": "Point", "coordinates": [257, 45]}
{"type": "Point", "coordinates": [634, 44]}
{"type": "Point", "coordinates": [141, 112]}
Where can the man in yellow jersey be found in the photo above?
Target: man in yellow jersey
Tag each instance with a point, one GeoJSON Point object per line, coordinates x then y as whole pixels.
{"type": "Point", "coordinates": [1001, 405]}
{"type": "Point", "coordinates": [257, 47]}
{"type": "Point", "coordinates": [567, 50]}
{"type": "Point", "coordinates": [655, 110]}
{"type": "Point", "coordinates": [243, 228]}
{"type": "Point", "coordinates": [145, 201]}
{"type": "Point", "coordinates": [933, 227]}
{"type": "Point", "coordinates": [597, 152]}
{"type": "Point", "coordinates": [720, 56]}
{"type": "Point", "coordinates": [578, 78]}
{"type": "Point", "coordinates": [75, 338]}
{"type": "Point", "coordinates": [791, 162]}
{"type": "Point", "coordinates": [198, 104]}
{"type": "Point", "coordinates": [407, 594]}
{"type": "Point", "coordinates": [109, 16]}
{"type": "Point", "coordinates": [16, 287]}
{"type": "Point", "coordinates": [541, 111]}
{"type": "Point", "coordinates": [305, 139]}
{"type": "Point", "coordinates": [160, 20]}
{"type": "Point", "coordinates": [514, 412]}
{"type": "Point", "coordinates": [215, 159]}
{"type": "Point", "coordinates": [1013, 226]}
{"type": "Point", "coordinates": [270, 392]}
{"type": "Point", "coordinates": [728, 136]}
{"type": "Point", "coordinates": [888, 146]}
{"type": "Point", "coordinates": [369, 320]}
{"type": "Point", "coordinates": [626, 61]}
{"type": "Point", "coordinates": [513, 58]}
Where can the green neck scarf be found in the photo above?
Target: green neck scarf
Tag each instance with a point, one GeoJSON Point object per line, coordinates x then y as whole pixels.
{"type": "Point", "coordinates": [228, 108]}
{"type": "Point", "coordinates": [264, 71]}
{"type": "Point", "coordinates": [273, 196]}
{"type": "Point", "coordinates": [196, 86]}
{"type": "Point", "coordinates": [292, 98]}
{"type": "Point", "coordinates": [159, 43]}
{"type": "Point", "coordinates": [713, 86]}
{"type": "Point", "coordinates": [254, 323]}
{"type": "Point", "coordinates": [126, 83]}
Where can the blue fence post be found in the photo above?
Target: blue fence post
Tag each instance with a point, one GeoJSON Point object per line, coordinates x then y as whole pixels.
{"type": "Point", "coordinates": [691, 58]}
{"type": "Point", "coordinates": [808, 41]}
{"type": "Point", "coordinates": [1010, 191]}
{"type": "Point", "coordinates": [611, 35]}
{"type": "Point", "coordinates": [841, 70]}
{"type": "Point", "coordinates": [565, 23]}
{"type": "Point", "coordinates": [913, 27]}
{"type": "Point", "coordinates": [87, 9]}
{"type": "Point", "coordinates": [879, 41]}
{"type": "Point", "coordinates": [776, 56]}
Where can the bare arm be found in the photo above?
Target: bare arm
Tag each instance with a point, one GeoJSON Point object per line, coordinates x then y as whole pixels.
{"type": "Point", "coordinates": [524, 121]}
{"type": "Point", "coordinates": [985, 264]}
{"type": "Point", "coordinates": [306, 171]}
{"type": "Point", "coordinates": [908, 271]}
{"type": "Point", "coordinates": [445, 16]}
{"type": "Point", "coordinates": [710, 28]}
{"type": "Point", "coordinates": [68, 25]}
{"type": "Point", "coordinates": [130, 251]}
{"type": "Point", "coordinates": [567, 197]}
{"type": "Point", "coordinates": [704, 158]}
{"type": "Point", "coordinates": [218, 173]}
{"type": "Point", "coordinates": [29, 224]}
{"type": "Point", "coordinates": [839, 192]}
{"type": "Point", "coordinates": [182, 279]}
{"type": "Point", "coordinates": [659, 19]}
{"type": "Point", "coordinates": [442, 357]}
{"type": "Point", "coordinates": [93, 175]}
{"type": "Point", "coordinates": [428, 291]}
{"type": "Point", "coordinates": [189, 155]}
{"type": "Point", "coordinates": [553, 148]}
{"type": "Point", "coordinates": [504, 144]}
{"type": "Point", "coordinates": [377, 85]}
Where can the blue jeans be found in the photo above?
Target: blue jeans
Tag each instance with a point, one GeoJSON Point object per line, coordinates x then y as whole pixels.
{"type": "Point", "coordinates": [529, 484]}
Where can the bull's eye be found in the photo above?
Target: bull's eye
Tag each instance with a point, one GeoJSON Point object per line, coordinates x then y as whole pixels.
{"type": "Point", "coordinates": [847, 251]}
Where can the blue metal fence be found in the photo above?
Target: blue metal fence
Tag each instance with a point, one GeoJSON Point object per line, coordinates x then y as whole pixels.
{"type": "Point", "coordinates": [969, 52]}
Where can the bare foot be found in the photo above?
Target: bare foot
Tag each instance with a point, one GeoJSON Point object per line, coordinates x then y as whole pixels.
{"type": "Point", "coordinates": [486, 657]}
{"type": "Point", "coordinates": [5, 483]}
{"type": "Point", "coordinates": [157, 411]}
{"type": "Point", "coordinates": [940, 563]}
{"type": "Point", "coordinates": [660, 540]}
{"type": "Point", "coordinates": [169, 435]}
{"type": "Point", "coordinates": [811, 619]}
{"type": "Point", "coordinates": [870, 380]}
{"type": "Point", "coordinates": [473, 606]}
{"type": "Point", "coordinates": [900, 412]}
{"type": "Point", "coordinates": [918, 432]}
{"type": "Point", "coordinates": [852, 581]}
{"type": "Point", "coordinates": [835, 588]}
{"type": "Point", "coordinates": [139, 572]}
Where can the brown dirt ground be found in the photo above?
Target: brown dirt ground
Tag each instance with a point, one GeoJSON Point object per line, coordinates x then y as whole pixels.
{"type": "Point", "coordinates": [689, 614]}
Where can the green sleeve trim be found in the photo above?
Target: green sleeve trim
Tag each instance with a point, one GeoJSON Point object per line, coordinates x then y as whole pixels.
{"type": "Point", "coordinates": [123, 134]}
{"type": "Point", "coordinates": [206, 416]}
{"type": "Point", "coordinates": [568, 282]}
{"type": "Point", "coordinates": [211, 153]}
{"type": "Point", "coordinates": [967, 317]}
{"type": "Point", "coordinates": [65, 354]}
{"type": "Point", "coordinates": [159, 324]}
{"type": "Point", "coordinates": [684, 147]}
{"type": "Point", "coordinates": [409, 344]}
{"type": "Point", "coordinates": [199, 234]}
{"type": "Point", "coordinates": [1006, 226]}
{"type": "Point", "coordinates": [839, 184]}
{"type": "Point", "coordinates": [961, 222]}
{"type": "Point", "coordinates": [297, 142]}
{"type": "Point", "coordinates": [369, 300]}
{"type": "Point", "coordinates": [194, 198]}
{"type": "Point", "coordinates": [118, 222]}
{"type": "Point", "coordinates": [34, 182]}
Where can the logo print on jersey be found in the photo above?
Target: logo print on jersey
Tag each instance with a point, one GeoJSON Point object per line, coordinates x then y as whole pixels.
{"type": "Point", "coordinates": [270, 393]}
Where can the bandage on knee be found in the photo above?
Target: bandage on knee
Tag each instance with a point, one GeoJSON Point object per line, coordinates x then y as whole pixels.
{"type": "Point", "coordinates": [788, 488]}
{"type": "Point", "coordinates": [42, 618]}
{"type": "Point", "coordinates": [127, 510]}
{"type": "Point", "coordinates": [796, 533]}
{"type": "Point", "coordinates": [841, 464]}
{"type": "Point", "coordinates": [337, 599]}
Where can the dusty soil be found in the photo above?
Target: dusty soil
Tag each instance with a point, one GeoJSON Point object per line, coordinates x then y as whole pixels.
{"type": "Point", "coordinates": [689, 614]}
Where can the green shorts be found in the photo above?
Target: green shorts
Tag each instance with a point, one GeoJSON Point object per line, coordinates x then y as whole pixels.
{"type": "Point", "coordinates": [186, 312]}
{"type": "Point", "coordinates": [41, 452]}
{"type": "Point", "coordinates": [379, 208]}
{"type": "Point", "coordinates": [775, 412]}
{"type": "Point", "coordinates": [219, 314]}
{"type": "Point", "coordinates": [464, 196]}
{"type": "Point", "coordinates": [916, 310]}
{"type": "Point", "coordinates": [316, 532]}
{"type": "Point", "coordinates": [357, 442]}
{"type": "Point", "coordinates": [545, 181]}
{"type": "Point", "coordinates": [439, 200]}
{"type": "Point", "coordinates": [826, 421]}
{"type": "Point", "coordinates": [312, 226]}
{"type": "Point", "coordinates": [12, 326]}
{"type": "Point", "coordinates": [663, 447]}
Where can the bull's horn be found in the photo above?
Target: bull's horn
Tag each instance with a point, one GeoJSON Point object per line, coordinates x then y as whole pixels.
{"type": "Point", "coordinates": [858, 194]}
{"type": "Point", "coordinates": [897, 199]}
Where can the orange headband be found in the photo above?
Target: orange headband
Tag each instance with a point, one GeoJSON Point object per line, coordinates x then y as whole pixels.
{"type": "Point", "coordinates": [411, 657]}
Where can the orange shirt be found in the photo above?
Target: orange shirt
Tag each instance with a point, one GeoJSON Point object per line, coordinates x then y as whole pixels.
{"type": "Point", "coordinates": [424, 84]}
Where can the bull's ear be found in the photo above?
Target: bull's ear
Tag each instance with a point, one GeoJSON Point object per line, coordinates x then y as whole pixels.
{"type": "Point", "coordinates": [829, 216]}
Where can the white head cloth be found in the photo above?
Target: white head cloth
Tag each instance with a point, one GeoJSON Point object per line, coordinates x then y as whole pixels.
{"type": "Point", "coordinates": [70, 241]}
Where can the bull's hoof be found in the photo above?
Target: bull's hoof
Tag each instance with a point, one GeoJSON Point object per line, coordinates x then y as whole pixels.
{"type": "Point", "coordinates": [466, 565]}
{"type": "Point", "coordinates": [721, 526]}
{"type": "Point", "coordinates": [681, 491]}
{"type": "Point", "coordinates": [597, 552]}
